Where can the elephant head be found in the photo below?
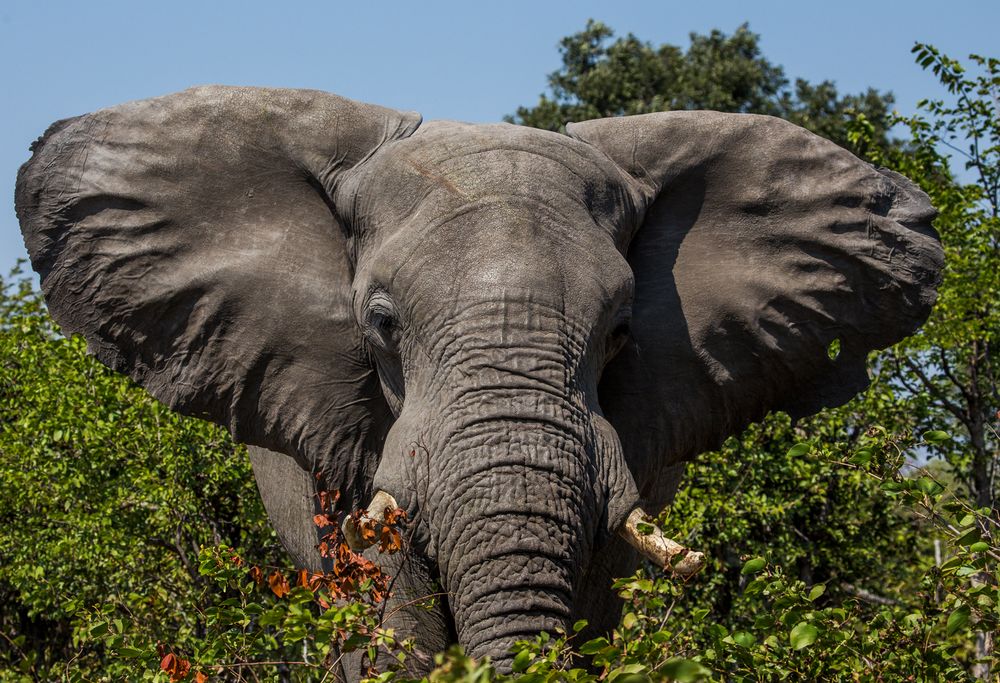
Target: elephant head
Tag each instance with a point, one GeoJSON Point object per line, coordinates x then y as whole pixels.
{"type": "Point", "coordinates": [516, 334]}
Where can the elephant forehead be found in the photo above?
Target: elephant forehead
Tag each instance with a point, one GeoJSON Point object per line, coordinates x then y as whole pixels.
{"type": "Point", "coordinates": [447, 165]}
{"type": "Point", "coordinates": [496, 260]}
{"type": "Point", "coordinates": [469, 211]}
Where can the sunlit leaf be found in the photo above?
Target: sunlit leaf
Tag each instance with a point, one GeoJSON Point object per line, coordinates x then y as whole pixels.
{"type": "Point", "coordinates": [803, 635]}
{"type": "Point", "coordinates": [799, 449]}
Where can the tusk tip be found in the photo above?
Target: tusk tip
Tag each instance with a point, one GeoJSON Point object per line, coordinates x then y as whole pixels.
{"type": "Point", "coordinates": [689, 565]}
{"type": "Point", "coordinates": [375, 511]}
{"type": "Point", "coordinates": [667, 553]}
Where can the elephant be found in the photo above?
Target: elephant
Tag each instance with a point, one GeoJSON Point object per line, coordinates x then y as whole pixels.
{"type": "Point", "coordinates": [517, 336]}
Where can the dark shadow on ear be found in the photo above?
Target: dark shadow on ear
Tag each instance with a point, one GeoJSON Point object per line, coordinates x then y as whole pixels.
{"type": "Point", "coordinates": [660, 344]}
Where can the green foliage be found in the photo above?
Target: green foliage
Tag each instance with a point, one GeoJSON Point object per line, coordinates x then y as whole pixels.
{"type": "Point", "coordinates": [949, 373]}
{"type": "Point", "coordinates": [602, 76]}
{"type": "Point", "coordinates": [107, 498]}
{"type": "Point", "coordinates": [252, 629]}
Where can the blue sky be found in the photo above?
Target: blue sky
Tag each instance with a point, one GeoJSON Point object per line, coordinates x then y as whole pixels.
{"type": "Point", "coordinates": [473, 61]}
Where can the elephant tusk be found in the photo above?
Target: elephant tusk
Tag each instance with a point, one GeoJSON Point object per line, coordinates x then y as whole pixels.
{"type": "Point", "coordinates": [375, 512]}
{"type": "Point", "coordinates": [666, 553]}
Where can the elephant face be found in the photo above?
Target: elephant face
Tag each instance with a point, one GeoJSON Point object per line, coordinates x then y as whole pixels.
{"type": "Point", "coordinates": [492, 293]}
{"type": "Point", "coordinates": [516, 334]}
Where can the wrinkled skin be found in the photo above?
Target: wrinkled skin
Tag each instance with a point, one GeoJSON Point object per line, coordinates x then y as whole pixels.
{"type": "Point", "coordinates": [519, 335]}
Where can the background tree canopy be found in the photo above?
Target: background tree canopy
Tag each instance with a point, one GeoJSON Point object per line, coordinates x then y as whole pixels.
{"type": "Point", "coordinates": [133, 544]}
{"type": "Point", "coordinates": [603, 76]}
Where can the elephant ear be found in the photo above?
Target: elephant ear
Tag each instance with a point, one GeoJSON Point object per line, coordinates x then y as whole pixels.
{"type": "Point", "coordinates": [760, 246]}
{"type": "Point", "coordinates": [193, 241]}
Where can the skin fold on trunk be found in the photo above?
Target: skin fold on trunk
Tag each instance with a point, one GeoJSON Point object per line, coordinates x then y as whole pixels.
{"type": "Point", "coordinates": [513, 514]}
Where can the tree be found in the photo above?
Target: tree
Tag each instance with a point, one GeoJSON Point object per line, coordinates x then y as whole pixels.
{"type": "Point", "coordinates": [949, 374]}
{"type": "Point", "coordinates": [602, 77]}
{"type": "Point", "coordinates": [950, 371]}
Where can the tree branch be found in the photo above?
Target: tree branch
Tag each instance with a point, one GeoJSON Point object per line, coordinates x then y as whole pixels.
{"type": "Point", "coordinates": [867, 595]}
{"type": "Point", "coordinates": [936, 392]}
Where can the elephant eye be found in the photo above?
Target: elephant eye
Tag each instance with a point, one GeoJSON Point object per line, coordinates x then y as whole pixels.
{"type": "Point", "coordinates": [381, 323]}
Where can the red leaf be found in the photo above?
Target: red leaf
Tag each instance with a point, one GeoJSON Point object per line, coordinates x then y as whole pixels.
{"type": "Point", "coordinates": [257, 575]}
{"type": "Point", "coordinates": [200, 677]}
{"type": "Point", "coordinates": [304, 579]}
{"type": "Point", "coordinates": [278, 583]}
{"type": "Point", "coordinates": [327, 499]}
{"type": "Point", "coordinates": [175, 667]}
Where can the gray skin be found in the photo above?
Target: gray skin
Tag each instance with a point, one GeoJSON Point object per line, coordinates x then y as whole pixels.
{"type": "Point", "coordinates": [520, 335]}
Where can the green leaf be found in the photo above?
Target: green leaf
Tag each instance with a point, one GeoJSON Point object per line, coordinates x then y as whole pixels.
{"type": "Point", "coordinates": [936, 436]}
{"type": "Point", "coordinates": [958, 619]}
{"type": "Point", "coordinates": [684, 670]}
{"type": "Point", "coordinates": [929, 486]}
{"type": "Point", "coordinates": [579, 626]}
{"type": "Point", "coordinates": [979, 547]}
{"type": "Point", "coordinates": [521, 661]}
{"type": "Point", "coordinates": [129, 652]}
{"type": "Point", "coordinates": [630, 673]}
{"type": "Point", "coordinates": [817, 591]}
{"type": "Point", "coordinates": [744, 639]}
{"type": "Point", "coordinates": [628, 678]}
{"type": "Point", "coordinates": [272, 617]}
{"type": "Point", "coordinates": [592, 647]}
{"type": "Point", "coordinates": [862, 456]}
{"type": "Point", "coordinates": [630, 620]}
{"type": "Point", "coordinates": [799, 449]}
{"type": "Point", "coordinates": [753, 566]}
{"type": "Point", "coordinates": [969, 537]}
{"type": "Point", "coordinates": [803, 635]}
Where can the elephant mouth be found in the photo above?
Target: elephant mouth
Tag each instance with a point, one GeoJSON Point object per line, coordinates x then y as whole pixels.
{"type": "Point", "coordinates": [638, 529]}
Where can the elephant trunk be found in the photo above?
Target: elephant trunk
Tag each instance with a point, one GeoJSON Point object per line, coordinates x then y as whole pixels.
{"type": "Point", "coordinates": [515, 521]}
{"type": "Point", "coordinates": [513, 594]}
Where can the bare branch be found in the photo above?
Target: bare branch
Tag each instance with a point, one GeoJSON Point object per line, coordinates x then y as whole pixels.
{"type": "Point", "coordinates": [867, 595]}
{"type": "Point", "coordinates": [935, 390]}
